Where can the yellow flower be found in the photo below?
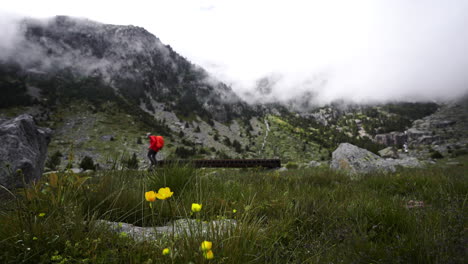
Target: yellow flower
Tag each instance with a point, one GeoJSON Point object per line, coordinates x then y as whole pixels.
{"type": "Point", "coordinates": [234, 211]}
{"type": "Point", "coordinates": [150, 196]}
{"type": "Point", "coordinates": [206, 245]}
{"type": "Point", "coordinates": [208, 254]}
{"type": "Point", "coordinates": [164, 193]}
{"type": "Point", "coordinates": [196, 207]}
{"type": "Point", "coordinates": [166, 251]}
{"type": "Point", "coordinates": [41, 214]}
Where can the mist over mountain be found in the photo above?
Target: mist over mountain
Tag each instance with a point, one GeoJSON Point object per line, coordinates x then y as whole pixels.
{"type": "Point", "coordinates": [361, 52]}
{"type": "Point", "coordinates": [129, 59]}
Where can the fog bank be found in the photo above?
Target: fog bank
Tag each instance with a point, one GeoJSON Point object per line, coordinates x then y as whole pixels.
{"type": "Point", "coordinates": [359, 51]}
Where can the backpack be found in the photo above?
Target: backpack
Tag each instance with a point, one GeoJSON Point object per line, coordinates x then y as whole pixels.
{"type": "Point", "coordinates": [159, 142]}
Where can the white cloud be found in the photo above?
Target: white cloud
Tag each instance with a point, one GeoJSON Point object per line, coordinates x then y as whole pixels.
{"type": "Point", "coordinates": [365, 49]}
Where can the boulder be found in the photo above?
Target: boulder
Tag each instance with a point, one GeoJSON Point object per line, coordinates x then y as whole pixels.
{"type": "Point", "coordinates": [389, 152]}
{"type": "Point", "coordinates": [181, 227]}
{"type": "Point", "coordinates": [353, 159]}
{"type": "Point", "coordinates": [108, 138]}
{"type": "Point", "coordinates": [408, 162]}
{"type": "Point", "coordinates": [313, 164]}
{"type": "Point", "coordinates": [24, 147]}
{"type": "Point", "coordinates": [75, 170]}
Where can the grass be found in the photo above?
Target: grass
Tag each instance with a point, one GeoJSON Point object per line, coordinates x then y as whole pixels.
{"type": "Point", "coordinates": [296, 216]}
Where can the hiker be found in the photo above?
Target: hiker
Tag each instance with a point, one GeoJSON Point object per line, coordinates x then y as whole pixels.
{"type": "Point", "coordinates": [156, 144]}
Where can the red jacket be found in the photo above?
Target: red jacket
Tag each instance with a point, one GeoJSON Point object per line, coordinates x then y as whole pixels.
{"type": "Point", "coordinates": [156, 143]}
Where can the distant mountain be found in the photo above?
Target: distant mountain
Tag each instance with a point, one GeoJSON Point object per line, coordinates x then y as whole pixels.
{"type": "Point", "coordinates": [130, 60]}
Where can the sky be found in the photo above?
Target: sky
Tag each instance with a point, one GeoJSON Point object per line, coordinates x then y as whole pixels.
{"type": "Point", "coordinates": [361, 50]}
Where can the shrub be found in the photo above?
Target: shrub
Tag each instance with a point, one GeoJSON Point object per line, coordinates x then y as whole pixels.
{"type": "Point", "coordinates": [184, 152]}
{"type": "Point", "coordinates": [436, 155]}
{"type": "Point", "coordinates": [54, 161]}
{"type": "Point", "coordinates": [237, 146]}
{"type": "Point", "coordinates": [292, 165]}
{"type": "Point", "coordinates": [459, 152]}
{"type": "Point", "coordinates": [132, 163]}
{"type": "Point", "coordinates": [87, 163]}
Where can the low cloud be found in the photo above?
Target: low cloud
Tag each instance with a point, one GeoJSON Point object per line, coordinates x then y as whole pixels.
{"type": "Point", "coordinates": [322, 51]}
{"type": "Point", "coordinates": [10, 36]}
{"type": "Point", "coordinates": [364, 51]}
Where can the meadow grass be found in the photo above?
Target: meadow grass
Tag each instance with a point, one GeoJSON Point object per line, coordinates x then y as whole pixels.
{"type": "Point", "coordinates": [296, 216]}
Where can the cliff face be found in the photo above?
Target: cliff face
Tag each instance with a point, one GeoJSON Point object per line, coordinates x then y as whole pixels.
{"type": "Point", "coordinates": [135, 63]}
{"type": "Point", "coordinates": [24, 147]}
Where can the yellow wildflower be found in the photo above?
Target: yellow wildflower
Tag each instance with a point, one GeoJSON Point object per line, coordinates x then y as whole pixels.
{"type": "Point", "coordinates": [164, 193]}
{"type": "Point", "coordinates": [41, 214]}
{"type": "Point", "coordinates": [234, 211]}
{"type": "Point", "coordinates": [206, 245]}
{"type": "Point", "coordinates": [196, 207]}
{"type": "Point", "coordinates": [166, 251]}
{"type": "Point", "coordinates": [150, 196]}
{"type": "Point", "coordinates": [208, 254]}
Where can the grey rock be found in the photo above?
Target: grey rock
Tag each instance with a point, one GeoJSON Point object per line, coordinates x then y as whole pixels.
{"type": "Point", "coordinates": [409, 162]}
{"type": "Point", "coordinates": [75, 170]}
{"type": "Point", "coordinates": [186, 227]}
{"type": "Point", "coordinates": [107, 138]}
{"type": "Point", "coordinates": [353, 159]}
{"type": "Point", "coordinates": [415, 134]}
{"type": "Point", "coordinates": [49, 172]}
{"type": "Point", "coordinates": [283, 169]}
{"type": "Point", "coordinates": [389, 152]}
{"type": "Point", "coordinates": [357, 160]}
{"type": "Point", "coordinates": [24, 147]}
{"type": "Point", "coordinates": [313, 164]}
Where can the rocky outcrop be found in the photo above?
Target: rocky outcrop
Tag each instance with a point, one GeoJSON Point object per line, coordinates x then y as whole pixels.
{"type": "Point", "coordinates": [23, 147]}
{"type": "Point", "coordinates": [418, 137]}
{"type": "Point", "coordinates": [391, 139]}
{"type": "Point", "coordinates": [445, 127]}
{"type": "Point", "coordinates": [353, 159]}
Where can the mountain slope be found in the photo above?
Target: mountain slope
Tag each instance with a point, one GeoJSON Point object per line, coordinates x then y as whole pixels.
{"type": "Point", "coordinates": [102, 87]}
{"type": "Point", "coordinates": [129, 59]}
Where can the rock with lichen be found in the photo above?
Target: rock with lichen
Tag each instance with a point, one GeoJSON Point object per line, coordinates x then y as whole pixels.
{"type": "Point", "coordinates": [23, 151]}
